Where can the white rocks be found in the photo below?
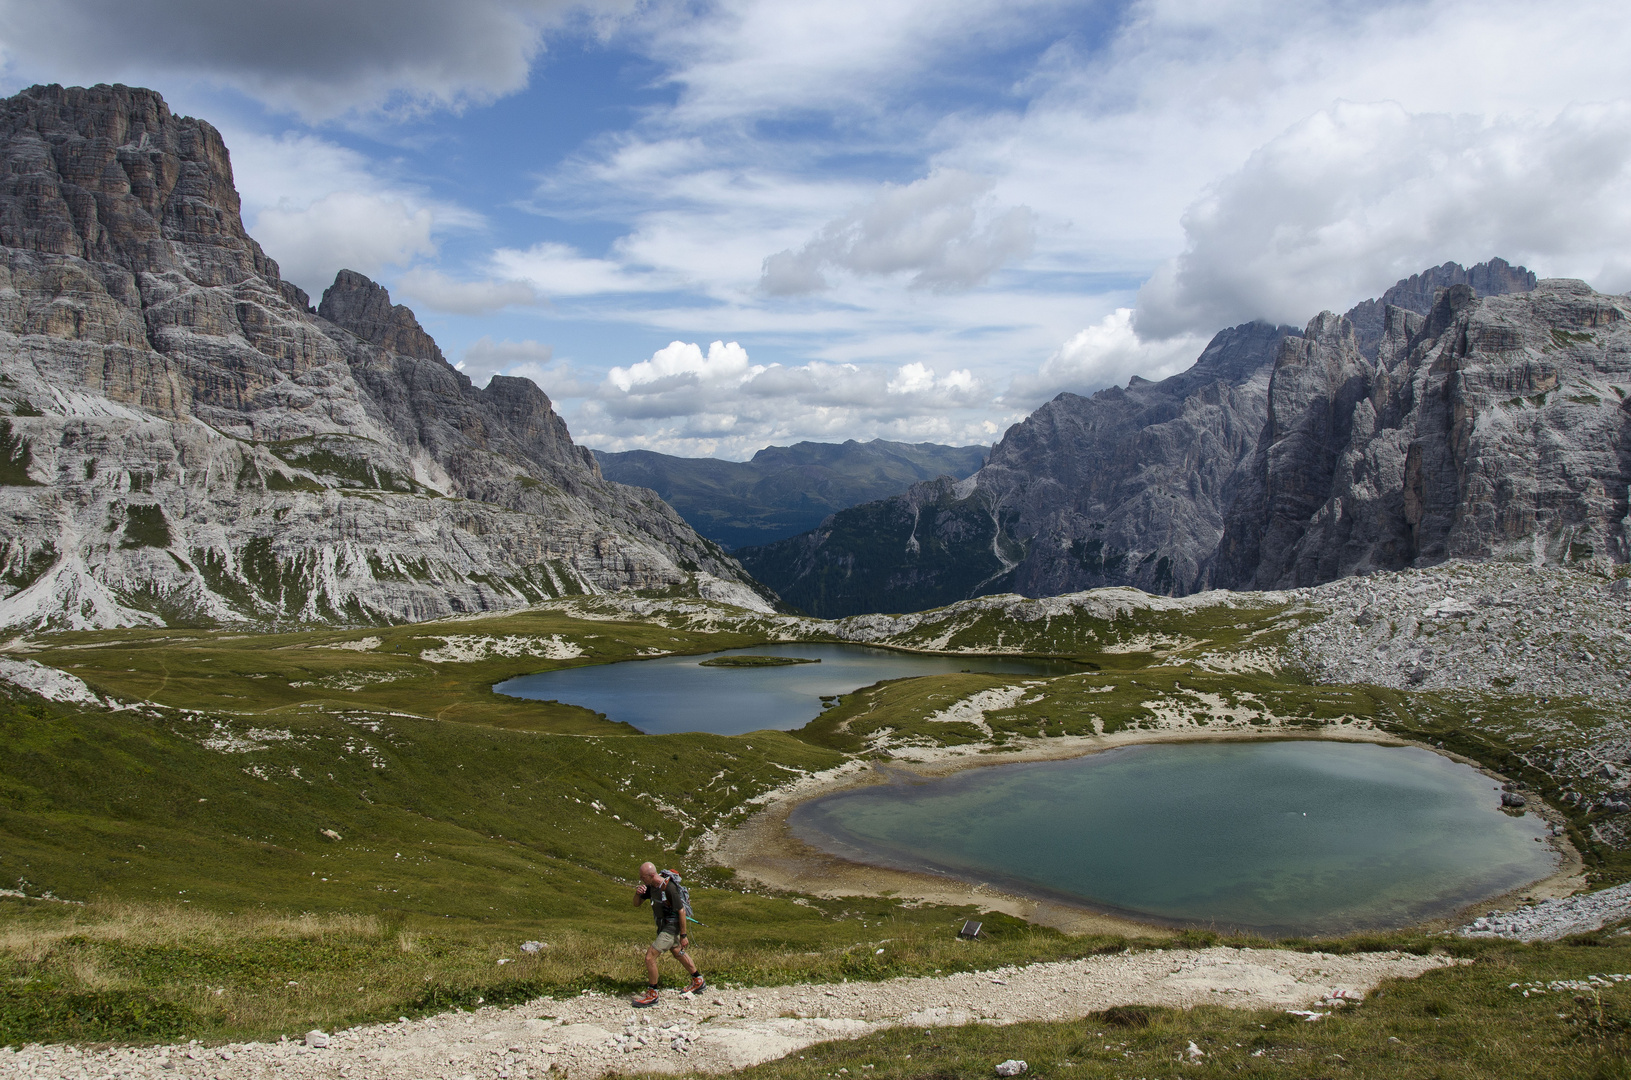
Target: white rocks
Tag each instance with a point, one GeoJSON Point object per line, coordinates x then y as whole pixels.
{"type": "Point", "coordinates": [532, 946]}
{"type": "Point", "coordinates": [316, 1039]}
{"type": "Point", "coordinates": [1554, 919]}
{"type": "Point", "coordinates": [1013, 1067]}
{"type": "Point", "coordinates": [1513, 627]}
{"type": "Point", "coordinates": [49, 683]}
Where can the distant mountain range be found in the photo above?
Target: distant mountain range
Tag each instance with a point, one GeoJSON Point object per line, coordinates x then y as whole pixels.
{"type": "Point", "coordinates": [184, 439]}
{"type": "Point", "coordinates": [785, 490]}
{"type": "Point", "coordinates": [1472, 413]}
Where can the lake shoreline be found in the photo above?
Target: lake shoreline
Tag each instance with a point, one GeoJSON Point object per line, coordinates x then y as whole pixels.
{"type": "Point", "coordinates": [764, 851]}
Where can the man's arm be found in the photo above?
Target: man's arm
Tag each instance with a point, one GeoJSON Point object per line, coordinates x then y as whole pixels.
{"type": "Point", "coordinates": [639, 894]}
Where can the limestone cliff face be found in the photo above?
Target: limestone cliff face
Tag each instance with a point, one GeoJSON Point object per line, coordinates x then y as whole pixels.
{"type": "Point", "coordinates": [1494, 427]}
{"type": "Point", "coordinates": [189, 439]}
{"type": "Point", "coordinates": [1425, 425]}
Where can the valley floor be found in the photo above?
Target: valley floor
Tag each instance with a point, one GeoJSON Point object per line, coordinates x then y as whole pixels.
{"type": "Point", "coordinates": [368, 781]}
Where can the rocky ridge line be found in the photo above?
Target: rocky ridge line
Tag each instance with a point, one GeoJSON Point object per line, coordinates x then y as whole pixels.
{"type": "Point", "coordinates": [1430, 424]}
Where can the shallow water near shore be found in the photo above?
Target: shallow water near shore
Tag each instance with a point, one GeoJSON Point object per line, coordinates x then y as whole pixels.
{"type": "Point", "coordinates": [675, 693]}
{"type": "Point", "coordinates": [1279, 838]}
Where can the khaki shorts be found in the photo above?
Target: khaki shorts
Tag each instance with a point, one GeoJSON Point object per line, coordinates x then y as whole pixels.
{"type": "Point", "coordinates": [666, 940]}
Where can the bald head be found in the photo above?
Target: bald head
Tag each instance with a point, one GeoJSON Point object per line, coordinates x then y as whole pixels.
{"type": "Point", "coordinates": [648, 873]}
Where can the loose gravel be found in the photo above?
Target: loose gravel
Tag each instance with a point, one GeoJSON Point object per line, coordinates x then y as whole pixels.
{"type": "Point", "coordinates": [1551, 920]}
{"type": "Point", "coordinates": [720, 1030]}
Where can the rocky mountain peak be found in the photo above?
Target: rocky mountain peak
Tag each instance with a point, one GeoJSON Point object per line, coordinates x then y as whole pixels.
{"type": "Point", "coordinates": [110, 174]}
{"type": "Point", "coordinates": [1418, 292]}
{"type": "Point", "coordinates": [1466, 413]}
{"type": "Point", "coordinates": [188, 440]}
{"type": "Point", "coordinates": [364, 307]}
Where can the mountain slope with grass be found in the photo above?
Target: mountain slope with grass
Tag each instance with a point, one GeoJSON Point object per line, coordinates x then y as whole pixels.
{"type": "Point", "coordinates": [221, 835]}
{"type": "Point", "coordinates": [785, 490]}
{"type": "Point", "coordinates": [187, 440]}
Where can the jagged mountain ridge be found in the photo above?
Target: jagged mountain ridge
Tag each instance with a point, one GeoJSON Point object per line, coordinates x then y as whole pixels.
{"type": "Point", "coordinates": [1491, 428]}
{"type": "Point", "coordinates": [191, 440]}
{"type": "Point", "coordinates": [1094, 476]}
{"type": "Point", "coordinates": [785, 490]}
{"type": "Point", "coordinates": [1139, 486]}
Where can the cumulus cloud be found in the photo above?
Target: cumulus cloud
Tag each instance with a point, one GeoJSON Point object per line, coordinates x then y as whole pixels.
{"type": "Point", "coordinates": [942, 229]}
{"type": "Point", "coordinates": [720, 401]}
{"type": "Point", "coordinates": [1104, 354]}
{"type": "Point", "coordinates": [682, 363]}
{"type": "Point", "coordinates": [1357, 196]}
{"type": "Point", "coordinates": [317, 207]}
{"type": "Point", "coordinates": [314, 57]}
{"type": "Point", "coordinates": [435, 290]}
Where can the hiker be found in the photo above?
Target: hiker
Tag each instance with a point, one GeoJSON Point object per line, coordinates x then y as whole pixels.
{"type": "Point", "coordinates": [668, 908]}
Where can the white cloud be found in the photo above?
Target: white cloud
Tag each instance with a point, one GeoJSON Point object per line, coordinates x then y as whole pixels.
{"type": "Point", "coordinates": [315, 57]}
{"type": "Point", "coordinates": [561, 270]}
{"type": "Point", "coordinates": [1361, 195]}
{"type": "Point", "coordinates": [1104, 354]}
{"type": "Point", "coordinates": [942, 229]}
{"type": "Point", "coordinates": [485, 358]}
{"type": "Point", "coordinates": [438, 292]}
{"type": "Point", "coordinates": [686, 400]}
{"type": "Point", "coordinates": [919, 379]}
{"type": "Point", "coordinates": [682, 362]}
{"type": "Point", "coordinates": [317, 207]}
{"type": "Point", "coordinates": [759, 57]}
{"type": "Point", "coordinates": [346, 230]}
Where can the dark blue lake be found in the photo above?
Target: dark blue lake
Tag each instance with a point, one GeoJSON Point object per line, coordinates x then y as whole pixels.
{"type": "Point", "coordinates": [1291, 837]}
{"type": "Point", "coordinates": [674, 693]}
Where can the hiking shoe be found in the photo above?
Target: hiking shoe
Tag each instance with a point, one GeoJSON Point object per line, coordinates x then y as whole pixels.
{"type": "Point", "coordinates": [697, 983]}
{"type": "Point", "coordinates": [645, 1000]}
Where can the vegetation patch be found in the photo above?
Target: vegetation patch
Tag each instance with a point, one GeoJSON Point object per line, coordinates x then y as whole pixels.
{"type": "Point", "coordinates": [145, 527]}
{"type": "Point", "coordinates": [15, 458]}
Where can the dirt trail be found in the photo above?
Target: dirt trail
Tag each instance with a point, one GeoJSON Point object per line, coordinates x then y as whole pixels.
{"type": "Point", "coordinates": [720, 1030]}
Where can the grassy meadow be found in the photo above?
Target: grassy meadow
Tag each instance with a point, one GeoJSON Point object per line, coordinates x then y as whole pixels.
{"type": "Point", "coordinates": [276, 831]}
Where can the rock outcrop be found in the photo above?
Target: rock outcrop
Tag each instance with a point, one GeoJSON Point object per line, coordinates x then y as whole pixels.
{"type": "Point", "coordinates": [190, 440]}
{"type": "Point", "coordinates": [1417, 292]}
{"type": "Point", "coordinates": [1127, 487]}
{"type": "Point", "coordinates": [1491, 428]}
{"type": "Point", "coordinates": [1426, 425]}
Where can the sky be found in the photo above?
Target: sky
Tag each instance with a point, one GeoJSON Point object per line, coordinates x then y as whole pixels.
{"type": "Point", "coordinates": [707, 227]}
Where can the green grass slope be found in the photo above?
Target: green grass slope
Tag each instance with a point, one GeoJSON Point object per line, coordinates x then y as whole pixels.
{"type": "Point", "coordinates": [279, 831]}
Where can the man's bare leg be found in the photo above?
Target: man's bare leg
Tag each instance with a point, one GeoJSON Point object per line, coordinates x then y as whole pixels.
{"type": "Point", "coordinates": [652, 956]}
{"type": "Point", "coordinates": [679, 954]}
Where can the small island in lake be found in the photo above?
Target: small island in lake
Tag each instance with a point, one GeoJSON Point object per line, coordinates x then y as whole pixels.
{"type": "Point", "coordinates": [755, 661]}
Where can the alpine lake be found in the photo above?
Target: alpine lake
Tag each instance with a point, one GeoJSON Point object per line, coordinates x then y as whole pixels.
{"type": "Point", "coordinates": [1276, 837]}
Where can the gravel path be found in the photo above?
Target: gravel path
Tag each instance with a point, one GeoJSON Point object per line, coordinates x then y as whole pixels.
{"type": "Point", "coordinates": [1554, 919]}
{"type": "Point", "coordinates": [720, 1030]}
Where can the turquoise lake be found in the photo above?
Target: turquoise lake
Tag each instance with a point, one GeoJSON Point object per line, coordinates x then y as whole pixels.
{"type": "Point", "coordinates": [1280, 838]}
{"type": "Point", "coordinates": [674, 693]}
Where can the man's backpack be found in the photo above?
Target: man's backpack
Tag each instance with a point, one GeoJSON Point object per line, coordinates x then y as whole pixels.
{"type": "Point", "coordinates": [685, 894]}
